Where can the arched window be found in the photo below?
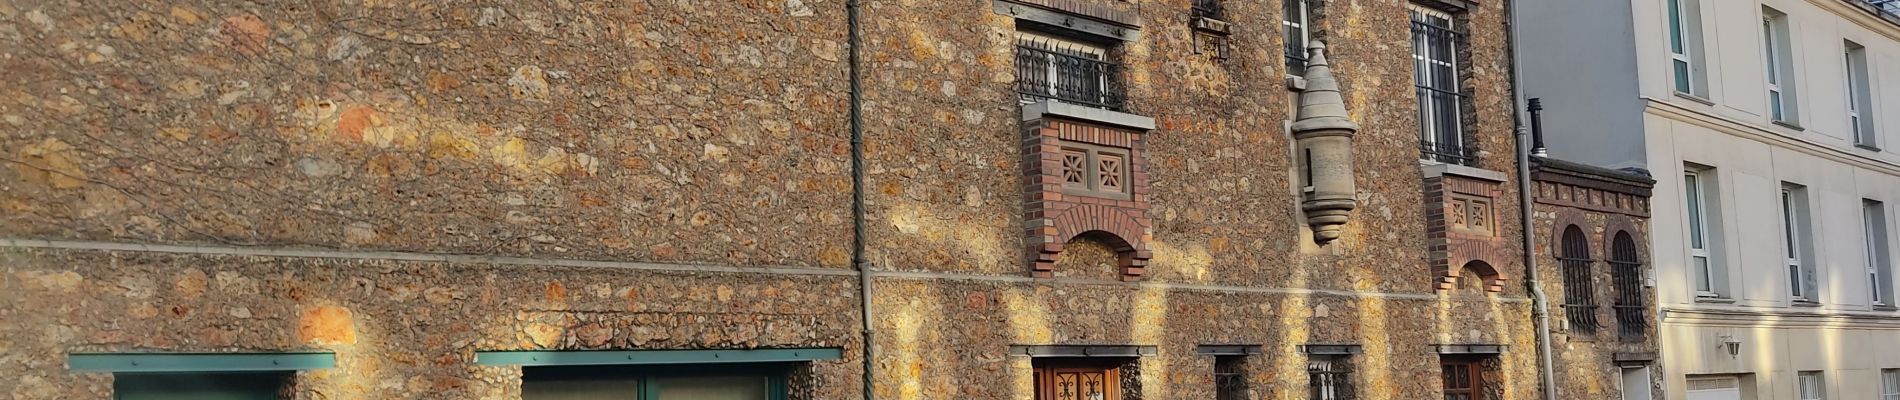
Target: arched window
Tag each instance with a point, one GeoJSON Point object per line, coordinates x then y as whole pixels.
{"type": "Point", "coordinates": [1579, 293]}
{"type": "Point", "coordinates": [1626, 270]}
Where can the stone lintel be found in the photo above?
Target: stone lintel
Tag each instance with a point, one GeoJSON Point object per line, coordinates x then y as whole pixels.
{"type": "Point", "coordinates": [1437, 170]}
{"type": "Point", "coordinates": [1229, 349]}
{"type": "Point", "coordinates": [1117, 351]}
{"type": "Point", "coordinates": [1051, 108]}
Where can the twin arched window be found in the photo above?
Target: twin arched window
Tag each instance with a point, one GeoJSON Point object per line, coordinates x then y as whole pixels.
{"type": "Point", "coordinates": [1579, 288]}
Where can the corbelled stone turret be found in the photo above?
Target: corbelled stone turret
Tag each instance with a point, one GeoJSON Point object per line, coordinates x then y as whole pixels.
{"type": "Point", "coordinates": [1323, 134]}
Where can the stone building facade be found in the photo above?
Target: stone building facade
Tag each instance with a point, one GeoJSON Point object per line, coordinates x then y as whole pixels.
{"type": "Point", "coordinates": [1592, 233]}
{"type": "Point", "coordinates": [420, 199]}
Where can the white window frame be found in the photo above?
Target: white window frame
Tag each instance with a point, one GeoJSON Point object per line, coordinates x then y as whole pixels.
{"type": "Point", "coordinates": [1879, 268]}
{"type": "Point", "coordinates": [1430, 128]}
{"type": "Point", "coordinates": [1810, 385]}
{"type": "Point", "coordinates": [1696, 212]}
{"type": "Point", "coordinates": [1795, 243]}
{"type": "Point", "coordinates": [1684, 31]}
{"type": "Point", "coordinates": [1778, 53]}
{"type": "Point", "coordinates": [1860, 120]}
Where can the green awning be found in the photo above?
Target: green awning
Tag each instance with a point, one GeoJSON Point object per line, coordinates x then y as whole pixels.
{"type": "Point", "coordinates": [198, 362]}
{"type": "Point", "coordinates": [648, 357]}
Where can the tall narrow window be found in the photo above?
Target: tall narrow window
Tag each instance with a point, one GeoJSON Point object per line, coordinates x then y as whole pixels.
{"type": "Point", "coordinates": [1230, 380]}
{"type": "Point", "coordinates": [1297, 32]}
{"type": "Point", "coordinates": [1626, 269]}
{"type": "Point", "coordinates": [1890, 384]}
{"type": "Point", "coordinates": [1879, 266]}
{"type": "Point", "coordinates": [1066, 69]}
{"type": "Point", "coordinates": [1701, 261]}
{"type": "Point", "coordinates": [1811, 385]}
{"type": "Point", "coordinates": [1435, 71]}
{"type": "Point", "coordinates": [1579, 293]}
{"type": "Point", "coordinates": [1464, 378]}
{"type": "Point", "coordinates": [1860, 101]}
{"type": "Point", "coordinates": [1329, 378]}
{"type": "Point", "coordinates": [1685, 47]}
{"type": "Point", "coordinates": [1794, 242]}
{"type": "Point", "coordinates": [1779, 65]}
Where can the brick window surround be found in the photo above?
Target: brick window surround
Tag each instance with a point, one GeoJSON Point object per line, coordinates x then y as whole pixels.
{"type": "Point", "coordinates": [1462, 226]}
{"type": "Point", "coordinates": [1055, 211]}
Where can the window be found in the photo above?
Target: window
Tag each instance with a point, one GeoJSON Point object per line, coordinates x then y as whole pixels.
{"type": "Point", "coordinates": [1860, 102]}
{"type": "Point", "coordinates": [1098, 171]}
{"type": "Point", "coordinates": [1879, 266]}
{"type": "Point", "coordinates": [1794, 242]}
{"type": "Point", "coordinates": [1579, 293]}
{"type": "Point", "coordinates": [1435, 72]}
{"type": "Point", "coordinates": [1685, 47]}
{"type": "Point", "coordinates": [1205, 8]}
{"type": "Point", "coordinates": [224, 386]}
{"type": "Point", "coordinates": [1297, 32]}
{"type": "Point", "coordinates": [1052, 68]}
{"type": "Point", "coordinates": [1714, 388]}
{"type": "Point", "coordinates": [1230, 378]}
{"type": "Point", "coordinates": [1058, 379]}
{"type": "Point", "coordinates": [1329, 378]}
{"type": "Point", "coordinates": [1464, 378]}
{"type": "Point", "coordinates": [1699, 215]}
{"type": "Point", "coordinates": [1626, 270]}
{"type": "Point", "coordinates": [652, 383]}
{"type": "Point", "coordinates": [1779, 65]}
{"type": "Point", "coordinates": [1811, 386]}
{"type": "Point", "coordinates": [1890, 384]}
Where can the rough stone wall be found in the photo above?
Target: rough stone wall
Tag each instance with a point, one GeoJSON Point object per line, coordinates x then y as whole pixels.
{"type": "Point", "coordinates": [655, 138]}
{"type": "Point", "coordinates": [1587, 364]}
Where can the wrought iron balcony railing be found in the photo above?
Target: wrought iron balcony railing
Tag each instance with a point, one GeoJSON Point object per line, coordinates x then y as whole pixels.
{"type": "Point", "coordinates": [1073, 74]}
{"type": "Point", "coordinates": [1886, 9]}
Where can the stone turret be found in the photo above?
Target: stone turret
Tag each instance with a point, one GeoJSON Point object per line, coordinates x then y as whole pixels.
{"type": "Point", "coordinates": [1323, 135]}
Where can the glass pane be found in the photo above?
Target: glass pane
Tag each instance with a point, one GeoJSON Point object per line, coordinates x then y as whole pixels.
{"type": "Point", "coordinates": [580, 388]}
{"type": "Point", "coordinates": [1692, 184]}
{"type": "Point", "coordinates": [1703, 279]}
{"type": "Point", "coordinates": [712, 388]}
{"type": "Point", "coordinates": [1794, 280]}
{"type": "Point", "coordinates": [1675, 28]}
{"type": "Point", "coordinates": [1787, 224]}
{"type": "Point", "coordinates": [1682, 76]}
{"type": "Point", "coordinates": [262, 386]}
{"type": "Point", "coordinates": [1774, 106]}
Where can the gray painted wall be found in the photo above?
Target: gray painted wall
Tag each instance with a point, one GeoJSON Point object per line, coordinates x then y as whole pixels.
{"type": "Point", "coordinates": [1580, 57]}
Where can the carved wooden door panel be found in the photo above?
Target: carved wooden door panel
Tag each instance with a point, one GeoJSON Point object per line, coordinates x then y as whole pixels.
{"type": "Point", "coordinates": [1077, 383]}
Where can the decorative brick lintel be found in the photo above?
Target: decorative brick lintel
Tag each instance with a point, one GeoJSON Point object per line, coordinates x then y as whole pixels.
{"type": "Point", "coordinates": [1054, 215]}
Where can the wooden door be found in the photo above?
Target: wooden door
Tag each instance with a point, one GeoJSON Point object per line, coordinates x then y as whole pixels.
{"type": "Point", "coordinates": [1078, 382]}
{"type": "Point", "coordinates": [1464, 379]}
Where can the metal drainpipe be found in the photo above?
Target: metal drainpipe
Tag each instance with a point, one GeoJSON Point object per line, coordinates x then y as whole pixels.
{"type": "Point", "coordinates": [1540, 307]}
{"type": "Point", "coordinates": [857, 202]}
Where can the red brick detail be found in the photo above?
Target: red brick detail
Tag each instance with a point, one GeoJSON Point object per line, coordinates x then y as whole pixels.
{"type": "Point", "coordinates": [1051, 218]}
{"type": "Point", "coordinates": [1459, 253]}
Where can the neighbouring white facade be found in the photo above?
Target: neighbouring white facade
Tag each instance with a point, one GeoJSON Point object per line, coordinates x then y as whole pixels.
{"type": "Point", "coordinates": [1744, 161]}
{"type": "Point", "coordinates": [1741, 333]}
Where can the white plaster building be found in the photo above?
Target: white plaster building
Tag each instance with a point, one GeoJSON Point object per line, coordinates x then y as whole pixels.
{"type": "Point", "coordinates": [1772, 128]}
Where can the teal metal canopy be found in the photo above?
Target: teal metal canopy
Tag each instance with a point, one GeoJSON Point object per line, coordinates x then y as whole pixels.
{"type": "Point", "coordinates": [194, 362]}
{"type": "Point", "coordinates": [647, 357]}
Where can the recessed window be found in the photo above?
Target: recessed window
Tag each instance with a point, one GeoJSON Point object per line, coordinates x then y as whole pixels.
{"type": "Point", "coordinates": [1879, 266]}
{"type": "Point", "coordinates": [1811, 386]}
{"type": "Point", "coordinates": [1890, 384]}
{"type": "Point", "coordinates": [1058, 379]}
{"type": "Point", "coordinates": [165, 386]}
{"type": "Point", "coordinates": [1779, 64]}
{"type": "Point", "coordinates": [1230, 377]}
{"type": "Point", "coordinates": [1070, 69]}
{"type": "Point", "coordinates": [1579, 292]}
{"type": "Point", "coordinates": [1297, 32]}
{"type": "Point", "coordinates": [1860, 99]}
{"type": "Point", "coordinates": [649, 383]}
{"type": "Point", "coordinates": [1329, 378]}
{"type": "Point", "coordinates": [1626, 269]}
{"type": "Point", "coordinates": [1698, 197]}
{"type": "Point", "coordinates": [1685, 47]}
{"type": "Point", "coordinates": [1795, 243]}
{"type": "Point", "coordinates": [1436, 75]}
{"type": "Point", "coordinates": [1463, 378]}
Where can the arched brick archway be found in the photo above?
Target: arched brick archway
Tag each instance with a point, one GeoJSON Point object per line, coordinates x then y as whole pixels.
{"type": "Point", "coordinates": [1491, 279]}
{"type": "Point", "coordinates": [1124, 233]}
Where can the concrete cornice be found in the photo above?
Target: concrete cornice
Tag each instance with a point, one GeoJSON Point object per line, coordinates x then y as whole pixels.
{"type": "Point", "coordinates": [1749, 131]}
{"type": "Point", "coordinates": [1779, 318]}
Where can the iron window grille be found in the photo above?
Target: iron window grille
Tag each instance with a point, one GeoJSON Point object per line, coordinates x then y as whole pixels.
{"type": "Point", "coordinates": [1054, 69]}
{"type": "Point", "coordinates": [1297, 34]}
{"type": "Point", "coordinates": [1435, 72]}
{"type": "Point", "coordinates": [1230, 380]}
{"type": "Point", "coordinates": [1206, 8]}
{"type": "Point", "coordinates": [1889, 9]}
{"type": "Point", "coordinates": [1626, 272]}
{"type": "Point", "coordinates": [1329, 379]}
{"type": "Point", "coordinates": [1579, 293]}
